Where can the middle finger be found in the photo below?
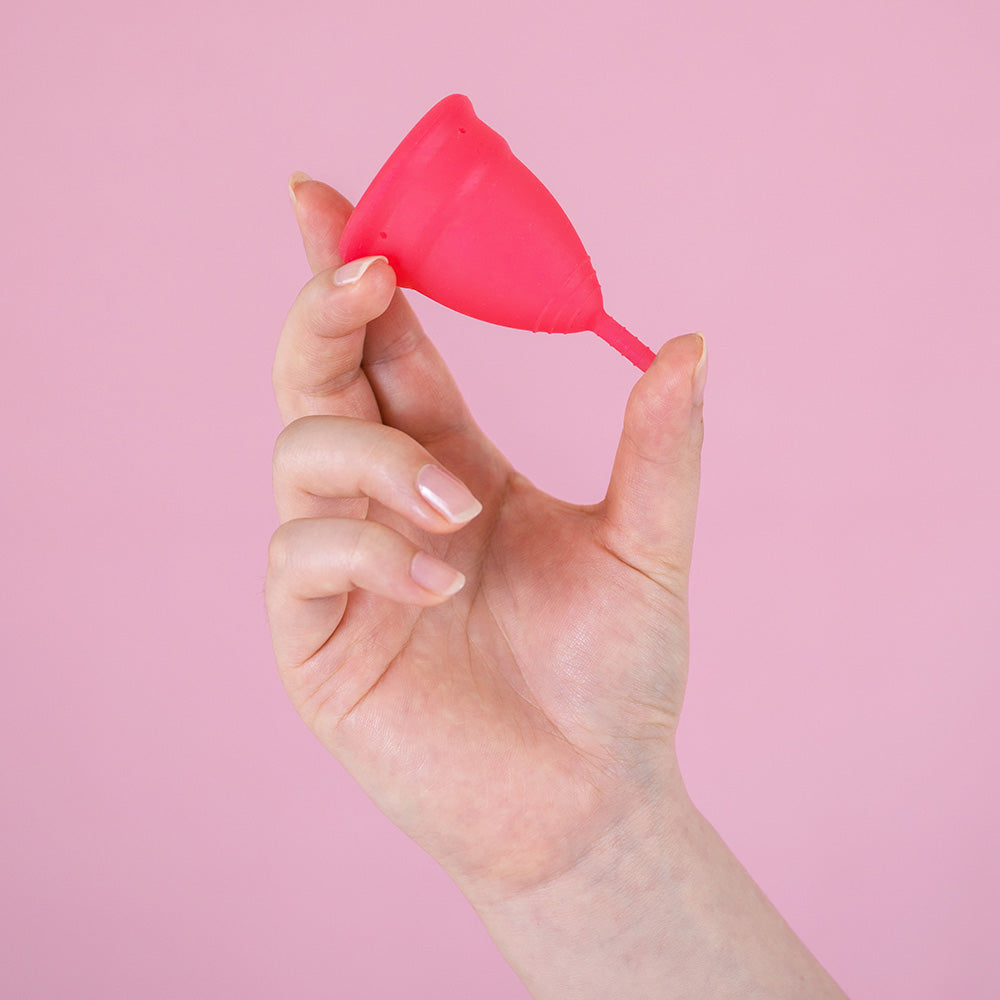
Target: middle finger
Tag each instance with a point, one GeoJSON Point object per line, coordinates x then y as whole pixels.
{"type": "Point", "coordinates": [321, 460]}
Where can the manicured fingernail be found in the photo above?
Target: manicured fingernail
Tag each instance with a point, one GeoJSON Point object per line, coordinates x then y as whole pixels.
{"type": "Point", "coordinates": [700, 374]}
{"type": "Point", "coordinates": [349, 273]}
{"type": "Point", "coordinates": [294, 181]}
{"type": "Point", "coordinates": [436, 576]}
{"type": "Point", "coordinates": [447, 495]}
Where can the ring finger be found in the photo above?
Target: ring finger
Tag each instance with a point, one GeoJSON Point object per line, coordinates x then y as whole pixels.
{"type": "Point", "coordinates": [314, 563]}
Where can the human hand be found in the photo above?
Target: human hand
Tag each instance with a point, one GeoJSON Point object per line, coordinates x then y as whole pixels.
{"type": "Point", "coordinates": [505, 681]}
{"type": "Point", "coordinates": [513, 726]}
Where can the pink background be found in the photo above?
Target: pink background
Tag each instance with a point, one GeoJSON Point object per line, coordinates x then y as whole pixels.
{"type": "Point", "coordinates": [814, 185]}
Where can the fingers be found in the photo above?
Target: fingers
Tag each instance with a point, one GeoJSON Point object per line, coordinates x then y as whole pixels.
{"type": "Point", "coordinates": [408, 378]}
{"type": "Point", "coordinates": [411, 383]}
{"type": "Point", "coordinates": [649, 512]}
{"type": "Point", "coordinates": [318, 458]}
{"type": "Point", "coordinates": [318, 556]}
{"type": "Point", "coordinates": [321, 214]}
{"type": "Point", "coordinates": [317, 367]}
{"type": "Point", "coordinates": [314, 563]}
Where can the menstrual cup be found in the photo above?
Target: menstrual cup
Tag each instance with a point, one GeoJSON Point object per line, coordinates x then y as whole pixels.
{"type": "Point", "coordinates": [465, 223]}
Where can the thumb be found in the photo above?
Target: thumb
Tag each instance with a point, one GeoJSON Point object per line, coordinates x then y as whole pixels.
{"type": "Point", "coordinates": [649, 512]}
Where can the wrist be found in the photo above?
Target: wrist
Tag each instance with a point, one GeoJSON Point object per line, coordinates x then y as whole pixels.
{"type": "Point", "coordinates": [569, 935]}
{"type": "Point", "coordinates": [658, 907]}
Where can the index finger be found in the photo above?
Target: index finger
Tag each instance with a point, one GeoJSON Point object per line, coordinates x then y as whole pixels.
{"type": "Point", "coordinates": [317, 366]}
{"type": "Point", "coordinates": [411, 383]}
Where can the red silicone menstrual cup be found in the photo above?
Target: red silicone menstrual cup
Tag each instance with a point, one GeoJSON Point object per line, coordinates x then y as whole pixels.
{"type": "Point", "coordinates": [465, 223]}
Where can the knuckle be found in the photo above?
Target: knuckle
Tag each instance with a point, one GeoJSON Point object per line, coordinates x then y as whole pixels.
{"type": "Point", "coordinates": [290, 441]}
{"type": "Point", "coordinates": [280, 550]}
{"type": "Point", "coordinates": [304, 440]}
{"type": "Point", "coordinates": [280, 456]}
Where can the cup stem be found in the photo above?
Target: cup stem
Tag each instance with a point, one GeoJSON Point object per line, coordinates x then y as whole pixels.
{"type": "Point", "coordinates": [624, 342]}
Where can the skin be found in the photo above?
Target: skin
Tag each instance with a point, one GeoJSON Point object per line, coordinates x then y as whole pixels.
{"type": "Point", "coordinates": [522, 729]}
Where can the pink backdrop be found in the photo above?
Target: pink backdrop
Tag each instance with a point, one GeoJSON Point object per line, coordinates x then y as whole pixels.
{"type": "Point", "coordinates": [814, 185]}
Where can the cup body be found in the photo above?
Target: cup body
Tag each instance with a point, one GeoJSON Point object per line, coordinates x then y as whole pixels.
{"type": "Point", "coordinates": [464, 222]}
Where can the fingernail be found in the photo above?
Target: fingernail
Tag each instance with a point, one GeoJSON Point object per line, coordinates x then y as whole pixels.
{"type": "Point", "coordinates": [349, 273]}
{"type": "Point", "coordinates": [700, 374]}
{"type": "Point", "coordinates": [447, 495]}
{"type": "Point", "coordinates": [436, 576]}
{"type": "Point", "coordinates": [294, 181]}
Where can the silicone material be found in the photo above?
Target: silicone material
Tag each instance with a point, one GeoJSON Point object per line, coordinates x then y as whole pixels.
{"type": "Point", "coordinates": [465, 223]}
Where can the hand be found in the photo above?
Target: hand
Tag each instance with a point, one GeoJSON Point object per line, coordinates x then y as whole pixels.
{"type": "Point", "coordinates": [503, 672]}
{"type": "Point", "coordinates": [511, 727]}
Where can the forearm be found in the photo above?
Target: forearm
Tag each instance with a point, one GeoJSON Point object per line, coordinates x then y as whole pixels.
{"type": "Point", "coordinates": [662, 910]}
